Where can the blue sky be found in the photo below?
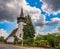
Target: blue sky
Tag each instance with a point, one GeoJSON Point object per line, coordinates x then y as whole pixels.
{"type": "Point", "coordinates": [50, 16]}
{"type": "Point", "coordinates": [9, 27]}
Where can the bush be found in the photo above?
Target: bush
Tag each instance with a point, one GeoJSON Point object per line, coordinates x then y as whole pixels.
{"type": "Point", "coordinates": [43, 43]}
{"type": "Point", "coordinates": [1, 39]}
{"type": "Point", "coordinates": [28, 41]}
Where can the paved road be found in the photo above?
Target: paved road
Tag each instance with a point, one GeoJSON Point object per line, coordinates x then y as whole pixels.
{"type": "Point", "coordinates": [6, 46]}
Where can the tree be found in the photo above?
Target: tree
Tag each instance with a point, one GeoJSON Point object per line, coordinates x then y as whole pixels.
{"type": "Point", "coordinates": [52, 39]}
{"type": "Point", "coordinates": [58, 40]}
{"type": "Point", "coordinates": [1, 39]}
{"type": "Point", "coordinates": [15, 39]}
{"type": "Point", "coordinates": [28, 29]}
{"type": "Point", "coordinates": [44, 43]}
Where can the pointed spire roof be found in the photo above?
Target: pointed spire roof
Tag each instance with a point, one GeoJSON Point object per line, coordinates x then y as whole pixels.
{"type": "Point", "coordinates": [21, 17]}
{"type": "Point", "coordinates": [21, 14]}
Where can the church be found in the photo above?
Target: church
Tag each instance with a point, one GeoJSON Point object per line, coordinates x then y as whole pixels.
{"type": "Point", "coordinates": [18, 31]}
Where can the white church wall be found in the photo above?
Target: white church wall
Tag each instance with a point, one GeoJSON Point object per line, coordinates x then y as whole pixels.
{"type": "Point", "coordinates": [10, 39]}
{"type": "Point", "coordinates": [19, 33]}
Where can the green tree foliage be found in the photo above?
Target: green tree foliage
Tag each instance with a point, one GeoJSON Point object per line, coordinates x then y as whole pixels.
{"type": "Point", "coordinates": [58, 41]}
{"type": "Point", "coordinates": [28, 29]}
{"type": "Point", "coordinates": [1, 39]}
{"type": "Point", "coordinates": [15, 39]}
{"type": "Point", "coordinates": [43, 43]}
{"type": "Point", "coordinates": [52, 40]}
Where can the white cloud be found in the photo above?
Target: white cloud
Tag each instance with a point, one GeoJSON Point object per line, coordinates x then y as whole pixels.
{"type": "Point", "coordinates": [10, 9]}
{"type": "Point", "coordinates": [3, 33]}
{"type": "Point", "coordinates": [38, 28]}
{"type": "Point", "coordinates": [53, 31]}
{"type": "Point", "coordinates": [51, 6]}
{"type": "Point", "coordinates": [56, 30]}
{"type": "Point", "coordinates": [31, 10]}
{"type": "Point", "coordinates": [56, 19]}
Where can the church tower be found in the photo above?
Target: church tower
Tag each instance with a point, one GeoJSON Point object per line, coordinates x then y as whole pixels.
{"type": "Point", "coordinates": [21, 18]}
{"type": "Point", "coordinates": [18, 31]}
{"type": "Point", "coordinates": [20, 21]}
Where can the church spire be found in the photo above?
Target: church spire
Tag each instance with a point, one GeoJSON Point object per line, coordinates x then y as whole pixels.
{"type": "Point", "coordinates": [21, 14]}
{"type": "Point", "coordinates": [21, 18]}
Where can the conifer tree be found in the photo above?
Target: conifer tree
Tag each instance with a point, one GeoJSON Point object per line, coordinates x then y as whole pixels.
{"type": "Point", "coordinates": [28, 29]}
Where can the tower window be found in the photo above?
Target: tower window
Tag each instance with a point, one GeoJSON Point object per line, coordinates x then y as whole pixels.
{"type": "Point", "coordinates": [20, 35]}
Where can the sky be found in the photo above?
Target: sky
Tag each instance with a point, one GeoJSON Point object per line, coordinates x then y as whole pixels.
{"type": "Point", "coordinates": [45, 14]}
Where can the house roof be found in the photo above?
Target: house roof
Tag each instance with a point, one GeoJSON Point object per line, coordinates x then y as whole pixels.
{"type": "Point", "coordinates": [13, 32]}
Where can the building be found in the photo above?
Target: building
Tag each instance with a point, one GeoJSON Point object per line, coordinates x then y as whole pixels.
{"type": "Point", "coordinates": [18, 31]}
